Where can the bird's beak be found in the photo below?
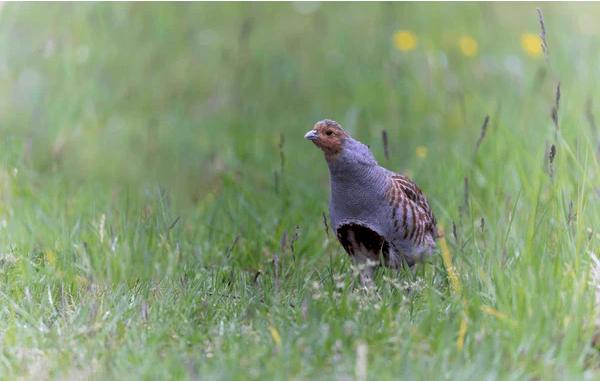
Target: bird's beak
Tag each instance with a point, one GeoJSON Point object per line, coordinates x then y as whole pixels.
{"type": "Point", "coordinates": [311, 135]}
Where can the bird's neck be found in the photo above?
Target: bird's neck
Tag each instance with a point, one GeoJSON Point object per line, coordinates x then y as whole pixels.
{"type": "Point", "coordinates": [352, 151]}
{"type": "Point", "coordinates": [355, 170]}
{"type": "Point", "coordinates": [354, 161]}
{"type": "Point", "coordinates": [351, 172]}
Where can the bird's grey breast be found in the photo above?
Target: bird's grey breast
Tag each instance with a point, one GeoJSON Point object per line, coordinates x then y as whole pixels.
{"type": "Point", "coordinates": [358, 196]}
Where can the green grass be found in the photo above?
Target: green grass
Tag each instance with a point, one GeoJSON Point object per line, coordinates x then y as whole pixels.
{"type": "Point", "coordinates": [153, 170]}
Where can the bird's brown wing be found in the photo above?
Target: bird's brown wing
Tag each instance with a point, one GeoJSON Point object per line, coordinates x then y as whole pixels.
{"type": "Point", "coordinates": [412, 213]}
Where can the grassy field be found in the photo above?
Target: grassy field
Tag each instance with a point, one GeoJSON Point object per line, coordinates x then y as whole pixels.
{"type": "Point", "coordinates": [161, 216]}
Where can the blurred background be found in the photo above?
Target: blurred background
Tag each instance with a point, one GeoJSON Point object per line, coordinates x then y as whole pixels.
{"type": "Point", "coordinates": [178, 94]}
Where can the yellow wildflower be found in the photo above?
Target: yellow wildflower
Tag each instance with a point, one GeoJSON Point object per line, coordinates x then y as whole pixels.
{"type": "Point", "coordinates": [531, 44]}
{"type": "Point", "coordinates": [275, 335]}
{"type": "Point", "coordinates": [493, 312]}
{"type": "Point", "coordinates": [405, 40]}
{"type": "Point", "coordinates": [468, 46]}
{"type": "Point", "coordinates": [497, 314]}
{"type": "Point", "coordinates": [421, 152]}
{"type": "Point", "coordinates": [50, 257]}
{"type": "Point", "coordinates": [453, 278]}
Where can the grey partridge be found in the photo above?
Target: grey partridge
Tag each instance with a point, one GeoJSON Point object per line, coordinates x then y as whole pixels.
{"type": "Point", "coordinates": [379, 216]}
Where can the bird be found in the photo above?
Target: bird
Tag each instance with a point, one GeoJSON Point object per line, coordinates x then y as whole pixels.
{"type": "Point", "coordinates": [380, 217]}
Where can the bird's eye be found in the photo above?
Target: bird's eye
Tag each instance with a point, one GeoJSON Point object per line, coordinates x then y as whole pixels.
{"type": "Point", "coordinates": [329, 133]}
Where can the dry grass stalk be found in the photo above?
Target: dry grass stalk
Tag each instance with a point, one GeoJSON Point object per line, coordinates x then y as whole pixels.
{"type": "Point", "coordinates": [556, 107]}
{"type": "Point", "coordinates": [483, 131]}
{"type": "Point", "coordinates": [293, 241]}
{"type": "Point", "coordinates": [325, 224]}
{"type": "Point", "coordinates": [465, 207]}
{"type": "Point", "coordinates": [281, 153]}
{"type": "Point", "coordinates": [386, 151]}
{"type": "Point", "coordinates": [542, 32]}
{"type": "Point", "coordinates": [233, 245]}
{"type": "Point", "coordinates": [454, 232]}
{"type": "Point", "coordinates": [550, 157]}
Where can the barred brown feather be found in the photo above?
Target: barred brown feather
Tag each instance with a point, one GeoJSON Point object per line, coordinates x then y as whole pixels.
{"type": "Point", "coordinates": [406, 196]}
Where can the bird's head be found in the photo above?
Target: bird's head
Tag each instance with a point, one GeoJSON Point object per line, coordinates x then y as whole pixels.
{"type": "Point", "coordinates": [341, 150]}
{"type": "Point", "coordinates": [329, 136]}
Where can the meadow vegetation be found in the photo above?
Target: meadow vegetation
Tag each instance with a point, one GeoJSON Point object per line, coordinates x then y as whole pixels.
{"type": "Point", "coordinates": [161, 216]}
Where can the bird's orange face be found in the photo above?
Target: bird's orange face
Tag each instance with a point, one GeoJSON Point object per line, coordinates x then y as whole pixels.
{"type": "Point", "coordinates": [328, 135]}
